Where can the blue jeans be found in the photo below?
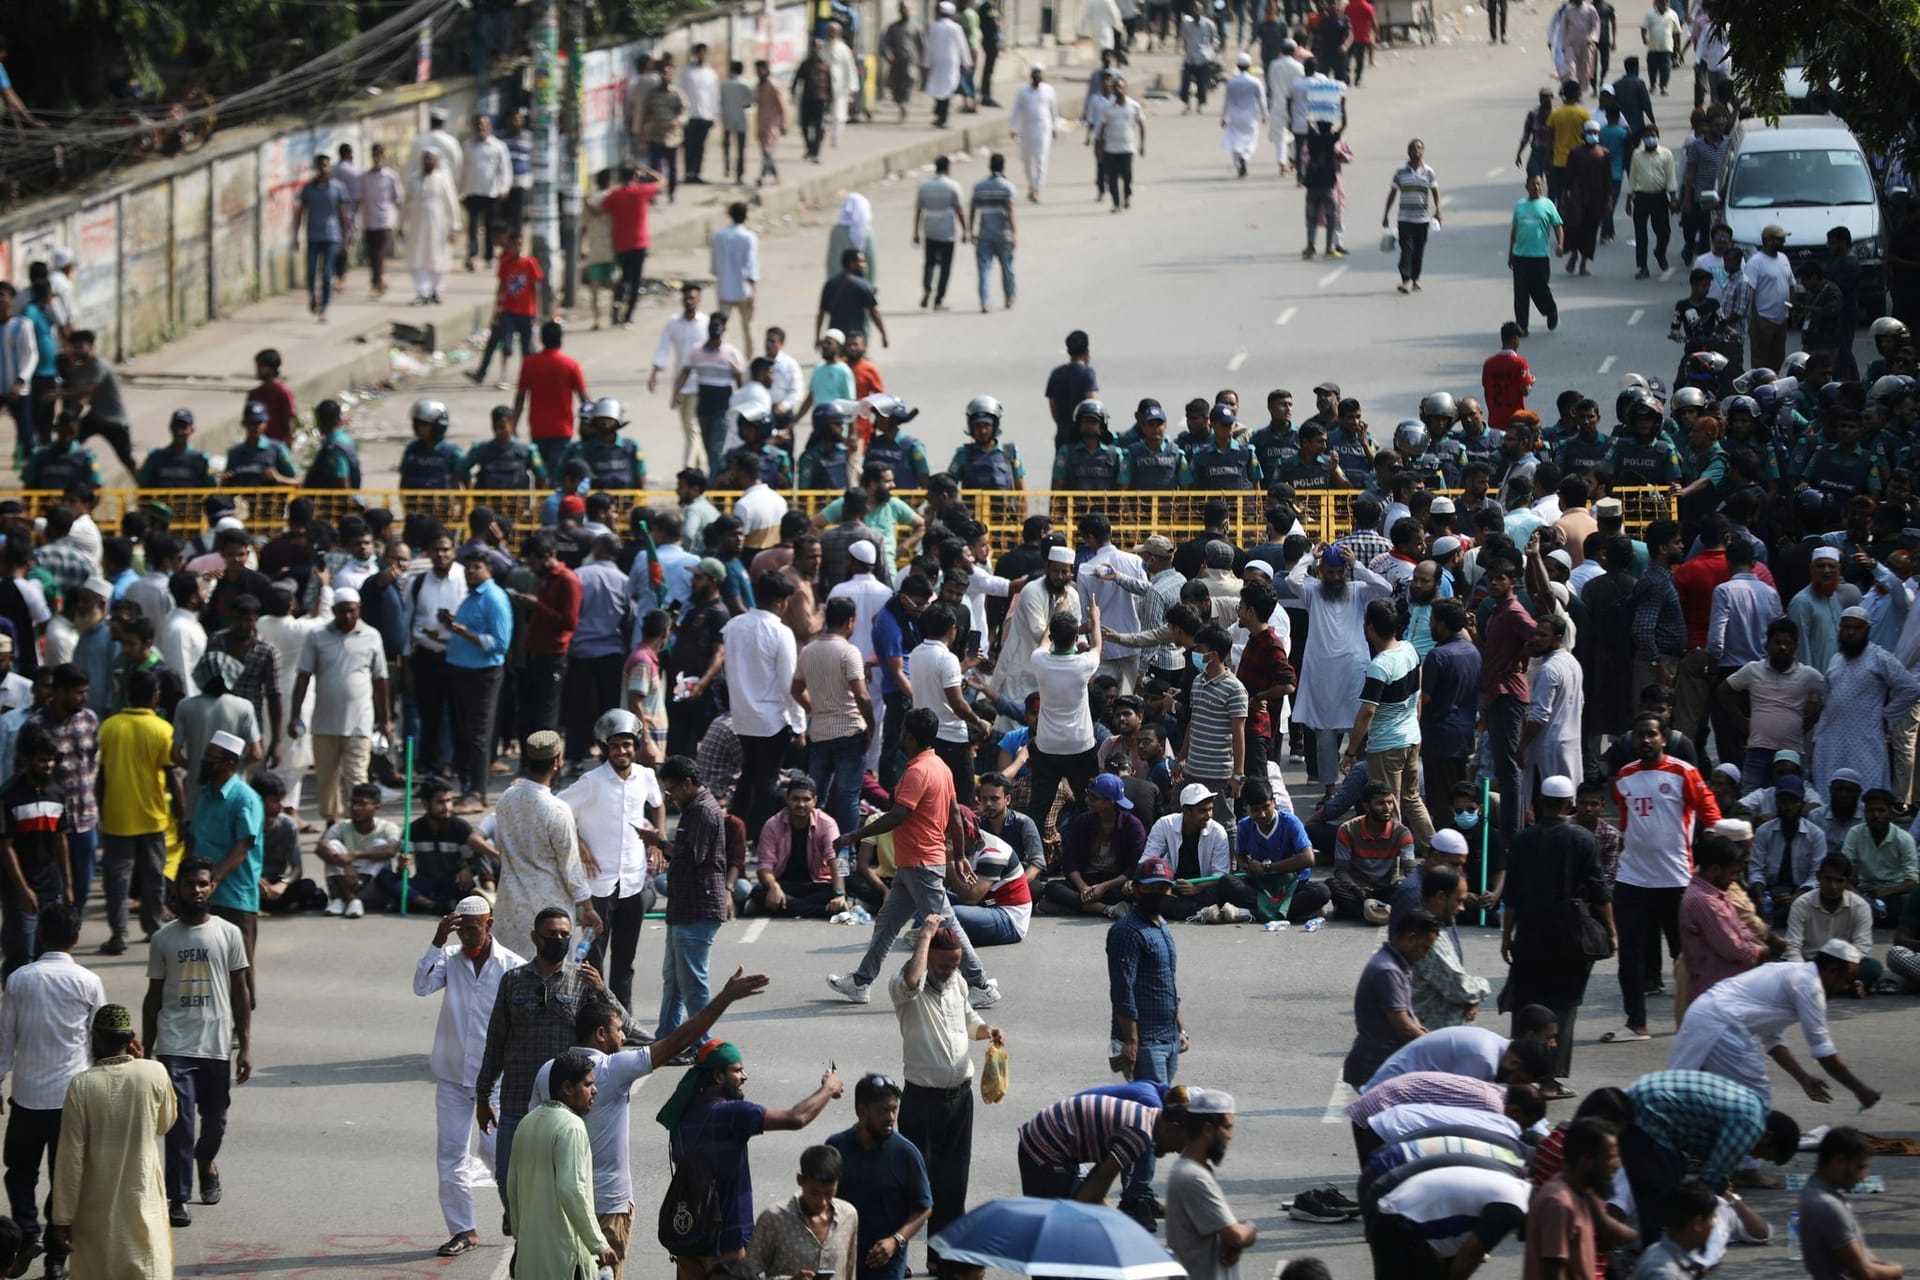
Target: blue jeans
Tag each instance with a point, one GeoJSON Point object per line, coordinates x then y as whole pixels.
{"type": "Point", "coordinates": [1756, 770]}
{"type": "Point", "coordinates": [502, 1151]}
{"type": "Point", "coordinates": [985, 253]}
{"type": "Point", "coordinates": [552, 450]}
{"type": "Point", "coordinates": [985, 926]}
{"type": "Point", "coordinates": [1158, 1061]}
{"type": "Point", "coordinates": [837, 768]}
{"type": "Point", "coordinates": [320, 271]}
{"type": "Point", "coordinates": [915, 891]}
{"type": "Point", "coordinates": [683, 972]}
{"type": "Point", "coordinates": [83, 847]}
{"type": "Point", "coordinates": [18, 929]}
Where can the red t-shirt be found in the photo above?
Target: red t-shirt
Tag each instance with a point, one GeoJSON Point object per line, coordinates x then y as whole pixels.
{"type": "Point", "coordinates": [1505, 379]}
{"type": "Point", "coordinates": [1360, 18]}
{"type": "Point", "coordinates": [520, 285]}
{"type": "Point", "coordinates": [866, 378]}
{"type": "Point", "coordinates": [626, 209]}
{"type": "Point", "coordinates": [926, 787]}
{"type": "Point", "coordinates": [278, 397]}
{"type": "Point", "coordinates": [551, 380]}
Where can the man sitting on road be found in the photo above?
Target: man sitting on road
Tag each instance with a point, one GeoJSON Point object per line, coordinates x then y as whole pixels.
{"type": "Point", "coordinates": [794, 860]}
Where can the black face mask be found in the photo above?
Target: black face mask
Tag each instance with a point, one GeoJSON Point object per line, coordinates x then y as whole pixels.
{"type": "Point", "coordinates": [554, 950]}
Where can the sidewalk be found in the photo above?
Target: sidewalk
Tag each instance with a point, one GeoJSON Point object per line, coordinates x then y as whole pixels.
{"type": "Point", "coordinates": [208, 369]}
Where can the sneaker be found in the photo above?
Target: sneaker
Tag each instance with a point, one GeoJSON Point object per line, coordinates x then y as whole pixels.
{"type": "Point", "coordinates": [1416, 286]}
{"type": "Point", "coordinates": [1406, 286]}
{"type": "Point", "coordinates": [1641, 274]}
{"type": "Point", "coordinates": [1336, 252]}
{"type": "Point", "coordinates": [985, 997]}
{"type": "Point", "coordinates": [853, 989]}
{"type": "Point", "coordinates": [355, 909]}
{"type": "Point", "coordinates": [1331, 1195]}
{"type": "Point", "coordinates": [114, 946]}
{"type": "Point", "coordinates": [1230, 914]}
{"type": "Point", "coordinates": [1307, 253]}
{"type": "Point", "coordinates": [1318, 1205]}
{"type": "Point", "coordinates": [1376, 911]}
{"type": "Point", "coordinates": [336, 906]}
{"type": "Point", "coordinates": [1117, 910]}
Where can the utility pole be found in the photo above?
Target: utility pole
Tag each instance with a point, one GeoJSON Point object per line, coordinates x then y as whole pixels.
{"type": "Point", "coordinates": [545, 213]}
{"type": "Point", "coordinates": [571, 114]}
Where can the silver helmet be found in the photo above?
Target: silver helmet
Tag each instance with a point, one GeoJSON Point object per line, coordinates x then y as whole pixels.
{"type": "Point", "coordinates": [614, 723]}
{"type": "Point", "coordinates": [1091, 409]}
{"type": "Point", "coordinates": [1888, 386]}
{"type": "Point", "coordinates": [1631, 380]}
{"type": "Point", "coordinates": [1438, 404]}
{"type": "Point", "coordinates": [984, 407]}
{"type": "Point", "coordinates": [1889, 327]}
{"type": "Point", "coordinates": [1689, 398]}
{"type": "Point", "coordinates": [1795, 365]}
{"type": "Point", "coordinates": [1410, 438]}
{"type": "Point", "coordinates": [434, 413]}
{"type": "Point", "coordinates": [610, 408]}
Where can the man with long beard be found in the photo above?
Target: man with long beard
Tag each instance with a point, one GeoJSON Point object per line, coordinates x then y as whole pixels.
{"type": "Point", "coordinates": [1201, 1229]}
{"type": "Point", "coordinates": [1816, 610]}
{"type": "Point", "coordinates": [1337, 654]}
{"type": "Point", "coordinates": [1026, 624]}
{"type": "Point", "coordinates": [1868, 691]}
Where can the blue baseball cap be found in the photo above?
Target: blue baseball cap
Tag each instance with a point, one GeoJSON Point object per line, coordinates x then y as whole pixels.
{"type": "Point", "coordinates": [1109, 788]}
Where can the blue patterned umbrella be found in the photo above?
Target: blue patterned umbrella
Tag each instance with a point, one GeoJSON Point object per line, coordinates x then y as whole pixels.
{"type": "Point", "coordinates": [1063, 1238]}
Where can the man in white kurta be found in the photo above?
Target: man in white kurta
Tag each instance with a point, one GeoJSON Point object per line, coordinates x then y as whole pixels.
{"type": "Point", "coordinates": [431, 222]}
{"type": "Point", "coordinates": [1243, 109]}
{"type": "Point", "coordinates": [1736, 1024]}
{"type": "Point", "coordinates": [843, 72]}
{"type": "Point", "coordinates": [468, 971]}
{"type": "Point", "coordinates": [1026, 625]}
{"type": "Point", "coordinates": [948, 55]}
{"type": "Point", "coordinates": [1335, 664]}
{"type": "Point", "coordinates": [1281, 73]}
{"type": "Point", "coordinates": [1868, 693]}
{"type": "Point", "coordinates": [1033, 120]}
{"type": "Point", "coordinates": [108, 1204]}
{"type": "Point", "coordinates": [539, 847]}
{"type": "Point", "coordinates": [1556, 701]}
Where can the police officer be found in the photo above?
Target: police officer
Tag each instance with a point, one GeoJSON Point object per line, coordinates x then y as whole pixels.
{"type": "Point", "coordinates": [503, 462]}
{"type": "Point", "coordinates": [62, 463]}
{"type": "Point", "coordinates": [178, 465]}
{"type": "Point", "coordinates": [612, 460]}
{"type": "Point", "coordinates": [1093, 461]}
{"type": "Point", "coordinates": [1585, 449]}
{"type": "Point", "coordinates": [1220, 461]}
{"type": "Point", "coordinates": [1156, 462]}
{"type": "Point", "coordinates": [430, 460]}
{"type": "Point", "coordinates": [1840, 468]}
{"type": "Point", "coordinates": [1423, 455]}
{"type": "Point", "coordinates": [890, 447]}
{"type": "Point", "coordinates": [1477, 444]}
{"type": "Point", "coordinates": [825, 462]}
{"type": "Point", "coordinates": [755, 425]}
{"type": "Point", "coordinates": [984, 462]}
{"type": "Point", "coordinates": [1277, 443]}
{"type": "Point", "coordinates": [254, 459]}
{"type": "Point", "coordinates": [1315, 467]}
{"type": "Point", "coordinates": [1643, 454]}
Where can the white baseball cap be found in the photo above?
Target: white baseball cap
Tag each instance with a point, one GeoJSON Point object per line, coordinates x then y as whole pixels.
{"type": "Point", "coordinates": [1194, 793]}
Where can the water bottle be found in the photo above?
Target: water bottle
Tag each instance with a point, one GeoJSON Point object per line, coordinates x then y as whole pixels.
{"type": "Point", "coordinates": [1793, 1235]}
{"type": "Point", "coordinates": [1313, 924]}
{"type": "Point", "coordinates": [1274, 926]}
{"type": "Point", "coordinates": [584, 945]}
{"type": "Point", "coordinates": [842, 868]}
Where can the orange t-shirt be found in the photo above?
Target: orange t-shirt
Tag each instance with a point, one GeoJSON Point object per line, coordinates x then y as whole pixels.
{"type": "Point", "coordinates": [926, 787]}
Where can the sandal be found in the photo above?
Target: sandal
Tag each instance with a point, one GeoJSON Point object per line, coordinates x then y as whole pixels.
{"type": "Point", "coordinates": [457, 1245]}
{"type": "Point", "coordinates": [1626, 1035]}
{"type": "Point", "coordinates": [1559, 1093]}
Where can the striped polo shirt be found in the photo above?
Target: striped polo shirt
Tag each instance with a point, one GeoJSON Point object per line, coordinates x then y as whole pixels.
{"type": "Point", "coordinates": [1215, 702]}
{"type": "Point", "coordinates": [1086, 1129]}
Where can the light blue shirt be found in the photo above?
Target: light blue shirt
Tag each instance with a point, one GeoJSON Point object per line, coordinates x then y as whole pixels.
{"type": "Point", "coordinates": [605, 609]}
{"type": "Point", "coordinates": [489, 616]}
{"type": "Point", "coordinates": [676, 575]}
{"type": "Point", "coordinates": [224, 817]}
{"type": "Point", "coordinates": [1393, 687]}
{"type": "Point", "coordinates": [10, 726]}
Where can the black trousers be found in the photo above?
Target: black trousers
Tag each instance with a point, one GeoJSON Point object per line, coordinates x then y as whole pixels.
{"type": "Point", "coordinates": [940, 108]}
{"type": "Point", "coordinates": [687, 720]}
{"type": "Point", "coordinates": [541, 683]}
{"type": "Point", "coordinates": [32, 1135]}
{"type": "Point", "coordinates": [1653, 1171]}
{"type": "Point", "coordinates": [1659, 69]}
{"type": "Point", "coordinates": [813, 124]}
{"type": "Point", "coordinates": [988, 58]}
{"type": "Point", "coordinates": [958, 757]}
{"type": "Point", "coordinates": [1399, 1251]}
{"type": "Point", "coordinates": [897, 706]}
{"type": "Point", "coordinates": [940, 1123]}
{"type": "Point", "coordinates": [1413, 249]}
{"type": "Point", "coordinates": [1044, 1181]}
{"type": "Point", "coordinates": [116, 434]}
{"type": "Point", "coordinates": [1696, 230]}
{"type": "Point", "coordinates": [1305, 904]}
{"type": "Point", "coordinates": [1119, 171]}
{"type": "Point", "coordinates": [1496, 19]}
{"type": "Point", "coordinates": [936, 269]}
{"type": "Point", "coordinates": [479, 227]}
{"type": "Point", "coordinates": [1442, 774]}
{"type": "Point", "coordinates": [1557, 984]}
{"type": "Point", "coordinates": [472, 704]}
{"type": "Point", "coordinates": [623, 919]}
{"type": "Point", "coordinates": [430, 699]}
{"type": "Point", "coordinates": [694, 148]}
{"type": "Point", "coordinates": [1049, 771]}
{"type": "Point", "coordinates": [1650, 210]}
{"type": "Point", "coordinates": [1533, 283]}
{"type": "Point", "coordinates": [633, 264]}
{"type": "Point", "coordinates": [592, 688]}
{"type": "Point", "coordinates": [1642, 916]}
{"type": "Point", "coordinates": [809, 903]}
{"type": "Point", "coordinates": [760, 760]}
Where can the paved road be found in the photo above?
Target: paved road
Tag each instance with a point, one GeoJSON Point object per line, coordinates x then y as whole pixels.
{"type": "Point", "coordinates": [329, 1166]}
{"type": "Point", "coordinates": [1201, 285]}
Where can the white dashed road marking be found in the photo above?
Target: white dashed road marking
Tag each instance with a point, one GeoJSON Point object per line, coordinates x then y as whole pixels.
{"type": "Point", "coordinates": [1607, 364]}
{"type": "Point", "coordinates": [1638, 313]}
{"type": "Point", "coordinates": [1336, 1112]}
{"type": "Point", "coordinates": [1239, 358]}
{"type": "Point", "coordinates": [1333, 275]}
{"type": "Point", "coordinates": [1496, 171]}
{"type": "Point", "coordinates": [1287, 315]}
{"type": "Point", "coordinates": [754, 930]}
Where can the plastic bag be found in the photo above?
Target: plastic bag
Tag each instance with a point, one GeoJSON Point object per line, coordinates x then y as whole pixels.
{"type": "Point", "coordinates": [994, 1076]}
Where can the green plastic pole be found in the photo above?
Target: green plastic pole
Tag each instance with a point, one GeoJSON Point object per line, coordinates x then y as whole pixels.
{"type": "Point", "coordinates": [1486, 818]}
{"type": "Point", "coordinates": [406, 835]}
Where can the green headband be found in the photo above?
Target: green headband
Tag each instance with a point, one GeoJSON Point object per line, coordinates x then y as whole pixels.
{"type": "Point", "coordinates": [714, 1055]}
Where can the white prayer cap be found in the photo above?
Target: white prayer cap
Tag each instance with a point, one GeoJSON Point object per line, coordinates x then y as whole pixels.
{"type": "Point", "coordinates": [1445, 546]}
{"type": "Point", "coordinates": [229, 742]}
{"type": "Point", "coordinates": [472, 905]}
{"type": "Point", "coordinates": [1733, 829]}
{"type": "Point", "coordinates": [1560, 556]}
{"type": "Point", "coordinates": [863, 552]}
{"type": "Point", "coordinates": [1838, 948]}
{"type": "Point", "coordinates": [1442, 506]}
{"type": "Point", "coordinates": [1450, 842]}
{"type": "Point", "coordinates": [345, 595]}
{"type": "Point", "coordinates": [946, 8]}
{"type": "Point", "coordinates": [1826, 553]}
{"type": "Point", "coordinates": [98, 586]}
{"type": "Point", "coordinates": [1060, 555]}
{"type": "Point", "coordinates": [834, 336]}
{"type": "Point", "coordinates": [1262, 566]}
{"type": "Point", "coordinates": [1855, 611]}
{"type": "Point", "coordinates": [1728, 769]}
{"type": "Point", "coordinates": [1243, 61]}
{"type": "Point", "coordinates": [1559, 787]}
{"type": "Point", "coordinates": [1041, 67]}
{"type": "Point", "coordinates": [1210, 1102]}
{"type": "Point", "coordinates": [62, 258]}
{"type": "Point", "coordinates": [228, 522]}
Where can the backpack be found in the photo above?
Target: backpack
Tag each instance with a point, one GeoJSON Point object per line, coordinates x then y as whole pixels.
{"type": "Point", "coordinates": [690, 1213]}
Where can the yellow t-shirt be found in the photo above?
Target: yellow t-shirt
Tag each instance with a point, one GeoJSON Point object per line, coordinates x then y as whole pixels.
{"type": "Point", "coordinates": [136, 747]}
{"type": "Point", "coordinates": [1566, 121]}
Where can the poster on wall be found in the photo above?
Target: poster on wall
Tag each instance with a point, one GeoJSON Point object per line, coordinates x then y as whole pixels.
{"type": "Point", "coordinates": [778, 36]}
{"type": "Point", "coordinates": [603, 108]}
{"type": "Point", "coordinates": [96, 275]}
{"type": "Point", "coordinates": [34, 246]}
